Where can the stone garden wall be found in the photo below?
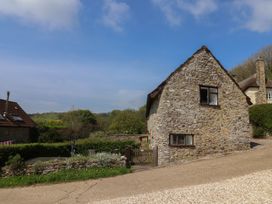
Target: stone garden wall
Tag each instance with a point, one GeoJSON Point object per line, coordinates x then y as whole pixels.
{"type": "Point", "coordinates": [76, 162]}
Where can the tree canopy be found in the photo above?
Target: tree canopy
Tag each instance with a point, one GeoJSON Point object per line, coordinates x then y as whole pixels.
{"type": "Point", "coordinates": [248, 68]}
{"type": "Point", "coordinates": [128, 121]}
{"type": "Point", "coordinates": [56, 127]}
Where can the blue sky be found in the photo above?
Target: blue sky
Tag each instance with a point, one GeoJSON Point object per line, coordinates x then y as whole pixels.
{"type": "Point", "coordinates": [108, 54]}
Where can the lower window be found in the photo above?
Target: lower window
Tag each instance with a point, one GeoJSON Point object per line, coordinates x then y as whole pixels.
{"type": "Point", "coordinates": [269, 95]}
{"type": "Point", "coordinates": [181, 140]}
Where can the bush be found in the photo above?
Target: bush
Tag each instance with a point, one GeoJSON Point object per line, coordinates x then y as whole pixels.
{"type": "Point", "coordinates": [261, 119]}
{"type": "Point", "coordinates": [50, 135]}
{"type": "Point", "coordinates": [29, 151]}
{"type": "Point", "coordinates": [15, 163]}
{"type": "Point", "coordinates": [258, 132]}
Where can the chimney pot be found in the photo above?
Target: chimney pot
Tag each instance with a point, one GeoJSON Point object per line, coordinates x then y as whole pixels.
{"type": "Point", "coordinates": [7, 103]}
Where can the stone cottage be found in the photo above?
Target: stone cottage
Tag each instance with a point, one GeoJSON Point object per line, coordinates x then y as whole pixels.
{"type": "Point", "coordinates": [198, 110]}
{"type": "Point", "coordinates": [257, 87]}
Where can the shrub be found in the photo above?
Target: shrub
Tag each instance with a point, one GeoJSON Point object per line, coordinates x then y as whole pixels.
{"type": "Point", "coordinates": [15, 163]}
{"type": "Point", "coordinates": [258, 132]}
{"type": "Point", "coordinates": [29, 151]}
{"type": "Point", "coordinates": [102, 159]}
{"type": "Point", "coordinates": [261, 119]}
{"type": "Point", "coordinates": [50, 135]}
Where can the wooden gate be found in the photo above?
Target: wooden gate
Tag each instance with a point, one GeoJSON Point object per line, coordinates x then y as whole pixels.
{"type": "Point", "coordinates": [142, 156]}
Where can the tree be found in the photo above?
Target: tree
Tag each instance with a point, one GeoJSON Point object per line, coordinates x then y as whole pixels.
{"type": "Point", "coordinates": [80, 122]}
{"type": "Point", "coordinates": [103, 121]}
{"type": "Point", "coordinates": [127, 122]}
{"type": "Point", "coordinates": [248, 68]}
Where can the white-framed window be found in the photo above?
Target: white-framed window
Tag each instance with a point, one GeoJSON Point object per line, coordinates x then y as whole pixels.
{"type": "Point", "coordinates": [209, 95]}
{"type": "Point", "coordinates": [269, 95]}
{"type": "Point", "coordinates": [181, 140]}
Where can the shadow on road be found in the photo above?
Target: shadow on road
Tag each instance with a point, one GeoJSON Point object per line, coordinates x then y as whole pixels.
{"type": "Point", "coordinates": [254, 144]}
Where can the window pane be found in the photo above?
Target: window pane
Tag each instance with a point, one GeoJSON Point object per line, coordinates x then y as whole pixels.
{"type": "Point", "coordinates": [269, 95]}
{"type": "Point", "coordinates": [181, 140]}
{"type": "Point", "coordinates": [16, 118]}
{"type": "Point", "coordinates": [175, 139]}
{"type": "Point", "coordinates": [171, 139]}
{"type": "Point", "coordinates": [203, 95]}
{"type": "Point", "coordinates": [213, 90]}
{"type": "Point", "coordinates": [213, 99]}
{"type": "Point", "coordinates": [189, 140]}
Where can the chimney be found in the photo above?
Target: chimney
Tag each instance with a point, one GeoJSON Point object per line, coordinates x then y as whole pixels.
{"type": "Point", "coordinates": [7, 103]}
{"type": "Point", "coordinates": [261, 82]}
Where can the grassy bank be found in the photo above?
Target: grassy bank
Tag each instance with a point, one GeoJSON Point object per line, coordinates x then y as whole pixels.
{"type": "Point", "coordinates": [63, 176]}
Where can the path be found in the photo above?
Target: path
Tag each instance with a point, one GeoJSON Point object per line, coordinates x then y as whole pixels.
{"type": "Point", "coordinates": [159, 179]}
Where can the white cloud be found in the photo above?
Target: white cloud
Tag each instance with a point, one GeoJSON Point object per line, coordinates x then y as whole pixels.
{"type": "Point", "coordinates": [115, 14]}
{"type": "Point", "coordinates": [255, 15]}
{"type": "Point", "coordinates": [50, 14]}
{"type": "Point", "coordinates": [173, 9]}
{"type": "Point", "coordinates": [198, 8]}
{"type": "Point", "coordinates": [169, 10]}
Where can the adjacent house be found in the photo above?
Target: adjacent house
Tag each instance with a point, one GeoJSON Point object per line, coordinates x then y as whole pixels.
{"type": "Point", "coordinates": [15, 125]}
{"type": "Point", "coordinates": [198, 110]}
{"type": "Point", "coordinates": [257, 87]}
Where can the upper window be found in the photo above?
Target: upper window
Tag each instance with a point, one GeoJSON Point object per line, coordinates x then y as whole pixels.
{"type": "Point", "coordinates": [16, 118]}
{"type": "Point", "coordinates": [181, 140]}
{"type": "Point", "coordinates": [209, 95]}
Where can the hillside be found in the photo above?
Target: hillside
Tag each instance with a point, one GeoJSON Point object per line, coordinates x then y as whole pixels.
{"type": "Point", "coordinates": [247, 68]}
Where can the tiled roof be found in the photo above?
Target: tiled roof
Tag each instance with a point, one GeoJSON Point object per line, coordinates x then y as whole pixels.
{"type": "Point", "coordinates": [16, 116]}
{"type": "Point", "coordinates": [251, 82]}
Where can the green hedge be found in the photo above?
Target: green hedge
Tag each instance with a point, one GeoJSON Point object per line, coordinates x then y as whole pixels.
{"type": "Point", "coordinates": [261, 119]}
{"type": "Point", "coordinates": [29, 151]}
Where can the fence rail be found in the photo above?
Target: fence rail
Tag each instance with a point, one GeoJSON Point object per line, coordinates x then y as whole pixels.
{"type": "Point", "coordinates": [9, 142]}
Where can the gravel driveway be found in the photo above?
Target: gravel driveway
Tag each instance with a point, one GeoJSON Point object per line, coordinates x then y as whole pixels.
{"type": "Point", "coordinates": [253, 188]}
{"type": "Point", "coordinates": [202, 179]}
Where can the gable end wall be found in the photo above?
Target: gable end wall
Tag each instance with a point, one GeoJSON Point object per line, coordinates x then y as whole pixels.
{"type": "Point", "coordinates": [216, 129]}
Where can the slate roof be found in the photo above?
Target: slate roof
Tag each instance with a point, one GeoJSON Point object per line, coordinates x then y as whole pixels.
{"type": "Point", "coordinates": [16, 116]}
{"type": "Point", "coordinates": [251, 82]}
{"type": "Point", "coordinates": [156, 92]}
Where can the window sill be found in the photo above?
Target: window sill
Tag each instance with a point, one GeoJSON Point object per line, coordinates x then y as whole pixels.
{"type": "Point", "coordinates": [210, 106]}
{"type": "Point", "coordinates": [183, 146]}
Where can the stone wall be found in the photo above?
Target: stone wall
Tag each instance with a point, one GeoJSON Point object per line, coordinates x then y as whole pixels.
{"type": "Point", "coordinates": [260, 79]}
{"type": "Point", "coordinates": [43, 168]}
{"type": "Point", "coordinates": [218, 129]}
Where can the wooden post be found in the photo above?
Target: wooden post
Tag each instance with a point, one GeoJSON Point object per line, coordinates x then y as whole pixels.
{"type": "Point", "coordinates": [128, 154]}
{"type": "Point", "coordinates": [155, 156]}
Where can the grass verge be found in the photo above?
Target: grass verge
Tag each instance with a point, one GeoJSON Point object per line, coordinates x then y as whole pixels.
{"type": "Point", "coordinates": [63, 176]}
